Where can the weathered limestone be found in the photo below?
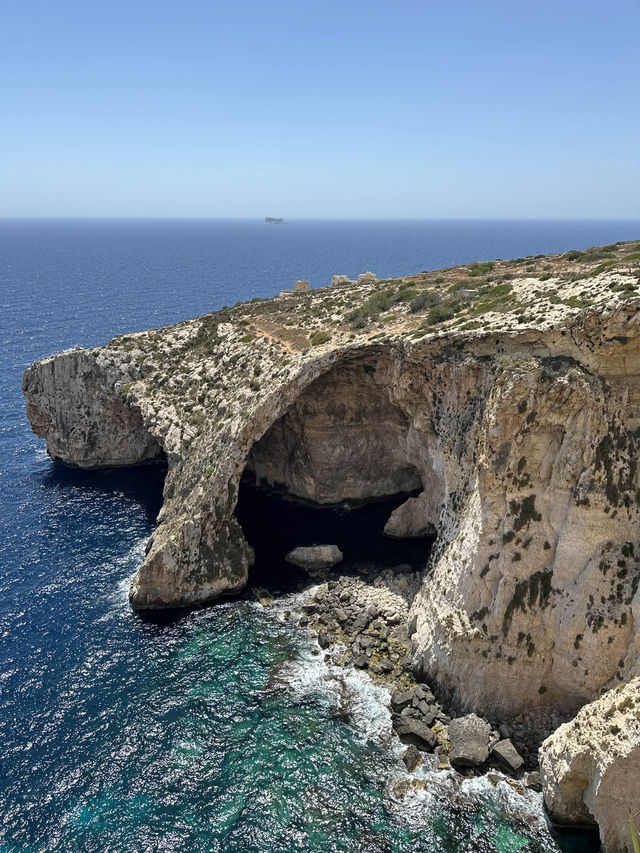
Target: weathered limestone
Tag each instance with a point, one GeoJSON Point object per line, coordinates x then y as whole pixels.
{"type": "Point", "coordinates": [591, 767]}
{"type": "Point", "coordinates": [469, 738]}
{"type": "Point", "coordinates": [415, 517]}
{"type": "Point", "coordinates": [522, 444]}
{"type": "Point", "coordinates": [507, 755]}
{"type": "Point", "coordinates": [72, 403]}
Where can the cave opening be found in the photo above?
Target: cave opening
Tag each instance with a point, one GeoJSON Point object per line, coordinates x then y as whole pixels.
{"type": "Point", "coordinates": [332, 469]}
{"type": "Point", "coordinates": [275, 523]}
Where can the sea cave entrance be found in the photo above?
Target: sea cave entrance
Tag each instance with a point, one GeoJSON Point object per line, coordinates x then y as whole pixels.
{"type": "Point", "coordinates": [331, 470]}
{"type": "Point", "coordinates": [274, 523]}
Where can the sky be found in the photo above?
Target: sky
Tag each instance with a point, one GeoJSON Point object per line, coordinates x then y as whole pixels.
{"type": "Point", "coordinates": [334, 108]}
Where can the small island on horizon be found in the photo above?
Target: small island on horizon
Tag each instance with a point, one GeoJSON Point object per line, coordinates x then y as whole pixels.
{"type": "Point", "coordinates": [272, 220]}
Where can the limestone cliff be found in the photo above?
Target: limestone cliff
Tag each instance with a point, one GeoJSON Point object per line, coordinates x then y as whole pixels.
{"type": "Point", "coordinates": [591, 767]}
{"type": "Point", "coordinates": [506, 395]}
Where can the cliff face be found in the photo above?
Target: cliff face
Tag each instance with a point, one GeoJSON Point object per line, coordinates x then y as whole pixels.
{"type": "Point", "coordinates": [591, 767]}
{"type": "Point", "coordinates": [505, 395]}
{"type": "Point", "coordinates": [532, 598]}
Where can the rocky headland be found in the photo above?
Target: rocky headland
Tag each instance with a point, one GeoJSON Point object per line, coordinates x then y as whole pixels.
{"type": "Point", "coordinates": [503, 399]}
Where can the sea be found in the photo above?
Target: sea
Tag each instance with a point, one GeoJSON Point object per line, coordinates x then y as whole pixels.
{"type": "Point", "coordinates": [219, 730]}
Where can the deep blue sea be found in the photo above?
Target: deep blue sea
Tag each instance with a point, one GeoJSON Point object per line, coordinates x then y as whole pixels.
{"type": "Point", "coordinates": [219, 729]}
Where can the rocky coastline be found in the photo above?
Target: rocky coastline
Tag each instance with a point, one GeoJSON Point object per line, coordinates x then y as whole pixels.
{"type": "Point", "coordinates": [364, 623]}
{"type": "Point", "coordinates": [504, 397]}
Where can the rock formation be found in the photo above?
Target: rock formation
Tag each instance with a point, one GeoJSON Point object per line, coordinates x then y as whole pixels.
{"type": "Point", "coordinates": [591, 767]}
{"type": "Point", "coordinates": [502, 399]}
{"type": "Point", "coordinates": [314, 556]}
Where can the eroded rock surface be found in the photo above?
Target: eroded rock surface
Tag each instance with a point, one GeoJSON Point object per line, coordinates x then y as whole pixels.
{"type": "Point", "coordinates": [591, 767]}
{"type": "Point", "coordinates": [469, 738]}
{"type": "Point", "coordinates": [513, 426]}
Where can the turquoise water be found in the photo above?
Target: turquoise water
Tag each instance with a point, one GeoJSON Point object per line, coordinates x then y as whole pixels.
{"type": "Point", "coordinates": [216, 730]}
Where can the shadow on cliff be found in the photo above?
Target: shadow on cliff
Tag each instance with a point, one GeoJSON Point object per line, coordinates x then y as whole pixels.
{"type": "Point", "coordinates": [139, 484]}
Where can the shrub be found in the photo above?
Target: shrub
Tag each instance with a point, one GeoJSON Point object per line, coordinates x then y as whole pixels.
{"type": "Point", "coordinates": [424, 299]}
{"type": "Point", "coordinates": [481, 269]}
{"type": "Point", "coordinates": [439, 314]}
{"type": "Point", "coordinates": [320, 338]}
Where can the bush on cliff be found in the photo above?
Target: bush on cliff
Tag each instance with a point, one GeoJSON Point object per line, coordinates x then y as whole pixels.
{"type": "Point", "coordinates": [423, 300]}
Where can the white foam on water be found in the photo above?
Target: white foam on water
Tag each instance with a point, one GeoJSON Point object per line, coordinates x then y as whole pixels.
{"type": "Point", "coordinates": [119, 594]}
{"type": "Point", "coordinates": [344, 688]}
{"type": "Point", "coordinates": [415, 797]}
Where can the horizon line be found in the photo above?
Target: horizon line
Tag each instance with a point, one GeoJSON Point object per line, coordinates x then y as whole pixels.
{"type": "Point", "coordinates": [124, 217]}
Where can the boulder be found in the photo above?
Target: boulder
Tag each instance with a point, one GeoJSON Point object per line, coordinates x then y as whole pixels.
{"type": "Point", "coordinates": [507, 755]}
{"type": "Point", "coordinates": [415, 732]}
{"type": "Point", "coordinates": [315, 556]}
{"type": "Point", "coordinates": [469, 741]}
{"type": "Point", "coordinates": [411, 757]}
{"type": "Point", "coordinates": [400, 699]}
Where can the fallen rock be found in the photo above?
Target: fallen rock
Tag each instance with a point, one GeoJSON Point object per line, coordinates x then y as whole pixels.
{"type": "Point", "coordinates": [412, 757]}
{"type": "Point", "coordinates": [315, 556]}
{"type": "Point", "coordinates": [507, 755]}
{"type": "Point", "coordinates": [469, 739]}
{"type": "Point", "coordinates": [415, 732]}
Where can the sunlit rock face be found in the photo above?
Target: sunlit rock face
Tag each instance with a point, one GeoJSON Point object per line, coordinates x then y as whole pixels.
{"type": "Point", "coordinates": [591, 767]}
{"type": "Point", "coordinates": [85, 421]}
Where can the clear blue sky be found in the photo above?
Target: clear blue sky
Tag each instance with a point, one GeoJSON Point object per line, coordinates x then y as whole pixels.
{"type": "Point", "coordinates": [334, 108]}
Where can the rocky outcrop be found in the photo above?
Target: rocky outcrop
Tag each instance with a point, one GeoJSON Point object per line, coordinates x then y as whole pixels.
{"type": "Point", "coordinates": [511, 429]}
{"type": "Point", "coordinates": [414, 518]}
{"type": "Point", "coordinates": [86, 423]}
{"type": "Point", "coordinates": [501, 399]}
{"type": "Point", "coordinates": [591, 767]}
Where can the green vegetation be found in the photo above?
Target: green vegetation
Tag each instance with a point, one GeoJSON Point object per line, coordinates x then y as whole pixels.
{"type": "Point", "coordinates": [439, 314]}
{"type": "Point", "coordinates": [378, 303]}
{"type": "Point", "coordinates": [423, 300]}
{"type": "Point", "coordinates": [320, 338]}
{"type": "Point", "coordinates": [480, 270]}
{"type": "Point", "coordinates": [495, 298]}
